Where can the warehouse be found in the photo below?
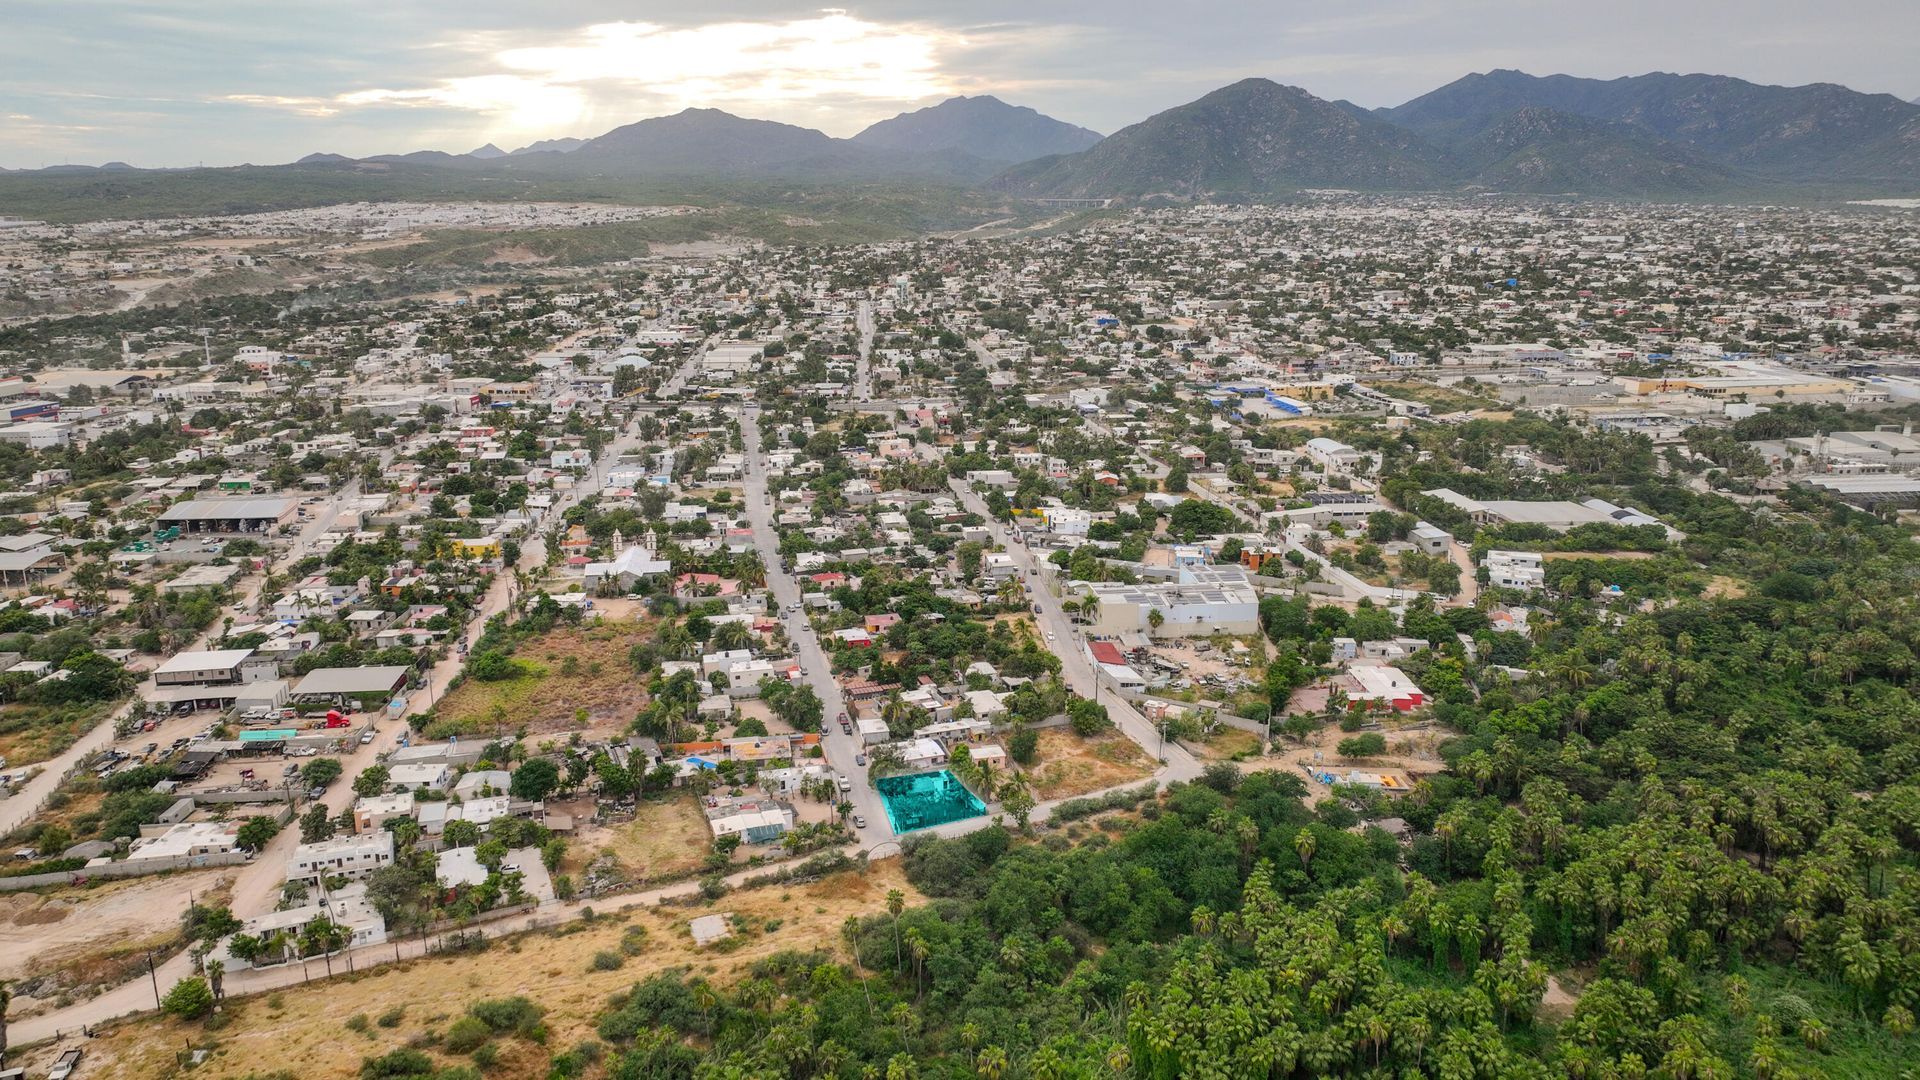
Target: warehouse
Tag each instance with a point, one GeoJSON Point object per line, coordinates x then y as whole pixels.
{"type": "Point", "coordinates": [346, 685]}
{"type": "Point", "coordinates": [230, 515]}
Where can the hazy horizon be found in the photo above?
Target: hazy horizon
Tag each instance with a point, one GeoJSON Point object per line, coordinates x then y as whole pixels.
{"type": "Point", "coordinates": [164, 83]}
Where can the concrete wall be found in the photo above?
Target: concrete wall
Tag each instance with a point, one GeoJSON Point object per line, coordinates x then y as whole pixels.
{"type": "Point", "coordinates": [138, 868]}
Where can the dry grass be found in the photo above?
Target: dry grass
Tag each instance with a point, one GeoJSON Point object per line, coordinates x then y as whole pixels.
{"type": "Point", "coordinates": [1722, 587]}
{"type": "Point", "coordinates": [34, 733]}
{"type": "Point", "coordinates": [1226, 742]}
{"type": "Point", "coordinates": [303, 1029]}
{"type": "Point", "coordinates": [1069, 765]}
{"type": "Point", "coordinates": [666, 839]}
{"type": "Point", "coordinates": [597, 679]}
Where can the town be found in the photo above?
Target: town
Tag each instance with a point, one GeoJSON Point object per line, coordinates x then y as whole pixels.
{"type": "Point", "coordinates": [360, 617]}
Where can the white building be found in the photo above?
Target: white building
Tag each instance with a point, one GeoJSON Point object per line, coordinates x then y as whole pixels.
{"type": "Point", "coordinates": [1184, 610]}
{"type": "Point", "coordinates": [1515, 569]}
{"type": "Point", "coordinates": [351, 857]}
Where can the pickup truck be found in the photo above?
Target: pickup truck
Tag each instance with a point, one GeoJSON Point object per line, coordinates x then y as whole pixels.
{"type": "Point", "coordinates": [64, 1065]}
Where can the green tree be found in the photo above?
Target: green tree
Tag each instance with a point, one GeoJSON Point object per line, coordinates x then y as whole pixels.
{"type": "Point", "coordinates": [190, 999]}
{"type": "Point", "coordinates": [535, 779]}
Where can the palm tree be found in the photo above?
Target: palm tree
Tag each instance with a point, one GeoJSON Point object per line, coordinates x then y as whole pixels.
{"type": "Point", "coordinates": [896, 903]}
{"type": "Point", "coordinates": [917, 948]}
{"type": "Point", "coordinates": [216, 979]}
{"type": "Point", "coordinates": [1303, 845]}
{"type": "Point", "coordinates": [991, 1063]}
{"type": "Point", "coordinates": [6, 999]}
{"type": "Point", "coordinates": [705, 999]}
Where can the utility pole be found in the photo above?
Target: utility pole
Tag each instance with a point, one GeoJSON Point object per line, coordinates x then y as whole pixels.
{"type": "Point", "coordinates": [154, 977]}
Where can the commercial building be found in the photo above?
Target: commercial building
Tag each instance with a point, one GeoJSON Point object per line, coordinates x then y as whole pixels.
{"type": "Point", "coordinates": [1556, 514]}
{"type": "Point", "coordinates": [246, 515]}
{"type": "Point", "coordinates": [343, 686]}
{"type": "Point", "coordinates": [1184, 610]}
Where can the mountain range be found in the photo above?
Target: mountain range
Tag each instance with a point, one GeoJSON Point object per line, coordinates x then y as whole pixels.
{"type": "Point", "coordinates": [1647, 136]}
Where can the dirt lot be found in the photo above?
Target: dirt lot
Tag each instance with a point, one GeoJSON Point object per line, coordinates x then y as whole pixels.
{"type": "Point", "coordinates": [69, 939]}
{"type": "Point", "coordinates": [1069, 765]}
{"type": "Point", "coordinates": [666, 840]}
{"type": "Point", "coordinates": [574, 668]}
{"type": "Point", "coordinates": [303, 1031]}
{"type": "Point", "coordinates": [1412, 750]}
{"type": "Point", "coordinates": [1215, 659]}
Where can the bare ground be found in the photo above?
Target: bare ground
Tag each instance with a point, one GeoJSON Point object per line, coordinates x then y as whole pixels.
{"type": "Point", "coordinates": [304, 1032]}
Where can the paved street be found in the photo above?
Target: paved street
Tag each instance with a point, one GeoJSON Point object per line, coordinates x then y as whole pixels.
{"type": "Point", "coordinates": [863, 371]}
{"type": "Point", "coordinates": [1075, 664]}
{"type": "Point", "coordinates": [840, 748]}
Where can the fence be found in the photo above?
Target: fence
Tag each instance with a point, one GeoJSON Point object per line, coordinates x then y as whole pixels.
{"type": "Point", "coordinates": [209, 798]}
{"type": "Point", "coordinates": [1253, 727]}
{"type": "Point", "coordinates": [130, 868]}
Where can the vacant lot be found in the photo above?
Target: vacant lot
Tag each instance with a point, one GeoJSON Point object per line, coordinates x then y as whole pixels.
{"type": "Point", "coordinates": [570, 669]}
{"type": "Point", "coordinates": [303, 1030]}
{"type": "Point", "coordinates": [1070, 765]}
{"type": "Point", "coordinates": [72, 940]}
{"type": "Point", "coordinates": [667, 839]}
{"type": "Point", "coordinates": [34, 733]}
{"type": "Point", "coordinates": [1227, 743]}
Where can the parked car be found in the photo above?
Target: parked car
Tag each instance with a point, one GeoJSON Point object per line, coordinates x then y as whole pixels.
{"type": "Point", "coordinates": [859, 759]}
{"type": "Point", "coordinates": [859, 822]}
{"type": "Point", "coordinates": [64, 1065]}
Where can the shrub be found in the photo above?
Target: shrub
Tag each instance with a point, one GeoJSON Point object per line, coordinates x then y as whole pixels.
{"type": "Point", "coordinates": [633, 940]}
{"type": "Point", "coordinates": [398, 1064]}
{"type": "Point", "coordinates": [189, 999]}
{"type": "Point", "coordinates": [391, 1018]}
{"type": "Point", "coordinates": [358, 1022]}
{"type": "Point", "coordinates": [466, 1035]}
{"type": "Point", "coordinates": [514, 1015]}
{"type": "Point", "coordinates": [608, 960]}
{"type": "Point", "coordinates": [486, 1055]}
{"type": "Point", "coordinates": [1371, 744]}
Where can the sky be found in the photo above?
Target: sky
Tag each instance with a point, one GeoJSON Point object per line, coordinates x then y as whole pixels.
{"type": "Point", "coordinates": [182, 82]}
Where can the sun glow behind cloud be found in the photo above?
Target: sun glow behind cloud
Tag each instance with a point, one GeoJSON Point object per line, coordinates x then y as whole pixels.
{"type": "Point", "coordinates": [620, 71]}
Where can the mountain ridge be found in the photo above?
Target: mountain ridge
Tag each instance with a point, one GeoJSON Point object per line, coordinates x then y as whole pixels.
{"type": "Point", "coordinates": [1252, 136]}
{"type": "Point", "coordinates": [983, 126]}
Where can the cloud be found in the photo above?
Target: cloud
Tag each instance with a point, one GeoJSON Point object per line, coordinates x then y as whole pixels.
{"type": "Point", "coordinates": [765, 67]}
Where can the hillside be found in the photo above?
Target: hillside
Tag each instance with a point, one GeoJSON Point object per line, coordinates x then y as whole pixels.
{"type": "Point", "coordinates": [1540, 150]}
{"type": "Point", "coordinates": [984, 127]}
{"type": "Point", "coordinates": [1253, 136]}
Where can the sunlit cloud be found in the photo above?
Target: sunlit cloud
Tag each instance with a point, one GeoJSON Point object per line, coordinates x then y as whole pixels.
{"type": "Point", "coordinates": [610, 68]}
{"type": "Point", "coordinates": [518, 104]}
{"type": "Point", "coordinates": [835, 54]}
{"type": "Point", "coordinates": [304, 106]}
